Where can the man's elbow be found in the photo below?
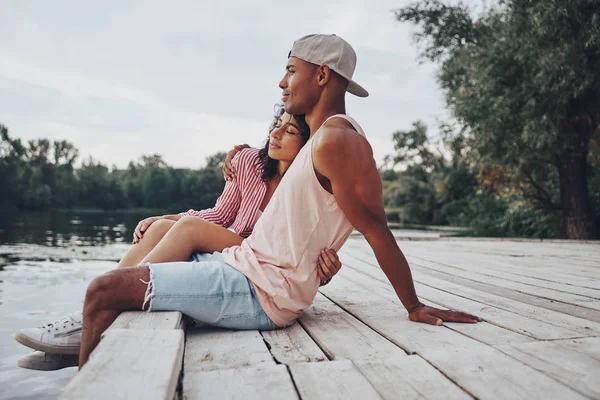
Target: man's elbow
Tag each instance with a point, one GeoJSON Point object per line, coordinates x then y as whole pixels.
{"type": "Point", "coordinates": [376, 232]}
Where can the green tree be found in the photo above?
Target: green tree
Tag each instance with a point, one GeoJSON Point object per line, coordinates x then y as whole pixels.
{"type": "Point", "coordinates": [523, 82]}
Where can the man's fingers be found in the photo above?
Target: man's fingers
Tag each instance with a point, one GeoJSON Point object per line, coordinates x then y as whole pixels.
{"type": "Point", "coordinates": [326, 268]}
{"type": "Point", "coordinates": [457, 316]}
{"type": "Point", "coordinates": [320, 273]}
{"type": "Point", "coordinates": [421, 316]}
{"type": "Point", "coordinates": [329, 267]}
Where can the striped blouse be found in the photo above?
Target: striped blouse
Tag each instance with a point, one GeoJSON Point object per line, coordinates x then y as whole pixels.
{"type": "Point", "coordinates": [238, 206]}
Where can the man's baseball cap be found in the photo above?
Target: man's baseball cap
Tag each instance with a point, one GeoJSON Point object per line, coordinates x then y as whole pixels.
{"type": "Point", "coordinates": [332, 51]}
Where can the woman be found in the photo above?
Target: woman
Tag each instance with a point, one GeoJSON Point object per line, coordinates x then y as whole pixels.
{"type": "Point", "coordinates": [239, 207]}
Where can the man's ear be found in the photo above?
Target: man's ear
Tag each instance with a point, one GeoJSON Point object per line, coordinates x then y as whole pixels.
{"type": "Point", "coordinates": [323, 74]}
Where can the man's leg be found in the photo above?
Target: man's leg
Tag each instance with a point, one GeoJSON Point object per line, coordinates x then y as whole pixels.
{"type": "Point", "coordinates": [152, 236]}
{"type": "Point", "coordinates": [106, 297]}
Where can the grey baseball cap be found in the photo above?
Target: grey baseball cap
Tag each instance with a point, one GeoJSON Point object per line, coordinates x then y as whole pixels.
{"type": "Point", "coordinates": [332, 51]}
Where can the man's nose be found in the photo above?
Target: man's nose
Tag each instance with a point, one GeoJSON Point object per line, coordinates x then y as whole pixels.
{"type": "Point", "coordinates": [283, 83]}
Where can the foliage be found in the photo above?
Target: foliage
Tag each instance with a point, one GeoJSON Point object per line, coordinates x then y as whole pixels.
{"type": "Point", "coordinates": [523, 83]}
{"type": "Point", "coordinates": [42, 174]}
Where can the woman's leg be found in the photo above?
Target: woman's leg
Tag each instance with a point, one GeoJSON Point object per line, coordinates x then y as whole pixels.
{"type": "Point", "coordinates": [189, 235]}
{"type": "Point", "coordinates": [151, 237]}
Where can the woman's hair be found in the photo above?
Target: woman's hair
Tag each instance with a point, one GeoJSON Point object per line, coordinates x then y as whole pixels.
{"type": "Point", "coordinates": [266, 165]}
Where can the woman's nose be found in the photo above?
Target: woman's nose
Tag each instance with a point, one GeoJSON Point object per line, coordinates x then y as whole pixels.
{"type": "Point", "coordinates": [276, 133]}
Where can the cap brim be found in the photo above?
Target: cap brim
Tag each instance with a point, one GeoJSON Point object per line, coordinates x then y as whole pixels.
{"type": "Point", "coordinates": [356, 89]}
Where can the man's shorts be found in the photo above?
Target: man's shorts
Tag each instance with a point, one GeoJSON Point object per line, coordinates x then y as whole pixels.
{"type": "Point", "coordinates": [208, 290]}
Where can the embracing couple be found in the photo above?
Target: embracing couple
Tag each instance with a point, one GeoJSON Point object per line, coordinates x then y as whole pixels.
{"type": "Point", "coordinates": [292, 205]}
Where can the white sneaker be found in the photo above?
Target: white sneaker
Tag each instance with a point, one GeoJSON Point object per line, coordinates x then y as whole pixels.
{"type": "Point", "coordinates": [60, 337]}
{"type": "Point", "coordinates": [41, 361]}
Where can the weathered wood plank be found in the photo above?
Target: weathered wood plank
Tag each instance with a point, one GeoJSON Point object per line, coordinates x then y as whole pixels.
{"type": "Point", "coordinates": [127, 364]}
{"type": "Point", "coordinates": [564, 363]}
{"type": "Point", "coordinates": [487, 373]}
{"type": "Point", "coordinates": [518, 287]}
{"type": "Point", "coordinates": [210, 348]}
{"type": "Point", "coordinates": [497, 315]}
{"type": "Point", "coordinates": [342, 336]}
{"type": "Point", "coordinates": [377, 307]}
{"type": "Point", "coordinates": [293, 345]}
{"type": "Point", "coordinates": [335, 380]}
{"type": "Point", "coordinates": [409, 378]}
{"type": "Point", "coordinates": [146, 320]}
{"type": "Point", "coordinates": [489, 298]}
{"type": "Point", "coordinates": [264, 382]}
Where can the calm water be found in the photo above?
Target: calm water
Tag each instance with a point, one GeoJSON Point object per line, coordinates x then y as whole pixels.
{"type": "Point", "coordinates": [46, 263]}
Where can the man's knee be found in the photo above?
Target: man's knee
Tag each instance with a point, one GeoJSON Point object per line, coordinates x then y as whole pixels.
{"type": "Point", "coordinates": [98, 293]}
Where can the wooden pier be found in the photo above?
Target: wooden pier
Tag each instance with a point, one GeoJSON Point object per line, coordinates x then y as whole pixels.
{"type": "Point", "coordinates": [540, 340]}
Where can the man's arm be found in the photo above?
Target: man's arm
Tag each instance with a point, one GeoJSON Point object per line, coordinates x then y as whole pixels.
{"type": "Point", "coordinates": [345, 158]}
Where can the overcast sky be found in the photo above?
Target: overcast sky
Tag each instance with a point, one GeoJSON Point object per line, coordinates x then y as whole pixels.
{"type": "Point", "coordinates": [186, 79]}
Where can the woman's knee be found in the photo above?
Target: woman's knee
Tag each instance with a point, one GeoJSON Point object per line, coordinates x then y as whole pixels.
{"type": "Point", "coordinates": [190, 222]}
{"type": "Point", "coordinates": [159, 228]}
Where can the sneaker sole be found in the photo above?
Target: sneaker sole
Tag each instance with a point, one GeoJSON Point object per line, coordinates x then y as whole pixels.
{"type": "Point", "coordinates": [45, 347]}
{"type": "Point", "coordinates": [47, 366]}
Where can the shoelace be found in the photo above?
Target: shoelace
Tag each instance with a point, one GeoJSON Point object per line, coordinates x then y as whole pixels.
{"type": "Point", "coordinates": [64, 321]}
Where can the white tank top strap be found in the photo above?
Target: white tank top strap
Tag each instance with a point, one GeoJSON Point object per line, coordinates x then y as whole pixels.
{"type": "Point", "coordinates": [355, 124]}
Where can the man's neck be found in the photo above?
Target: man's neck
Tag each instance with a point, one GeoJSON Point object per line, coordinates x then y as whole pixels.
{"type": "Point", "coordinates": [320, 113]}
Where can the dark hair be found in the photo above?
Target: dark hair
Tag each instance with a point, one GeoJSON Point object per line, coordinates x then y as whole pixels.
{"type": "Point", "coordinates": [267, 166]}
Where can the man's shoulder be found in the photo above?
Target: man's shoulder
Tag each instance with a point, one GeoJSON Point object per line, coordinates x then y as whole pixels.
{"type": "Point", "coordinates": [338, 134]}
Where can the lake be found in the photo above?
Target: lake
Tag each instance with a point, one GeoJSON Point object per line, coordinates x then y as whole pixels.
{"type": "Point", "coordinates": [46, 262]}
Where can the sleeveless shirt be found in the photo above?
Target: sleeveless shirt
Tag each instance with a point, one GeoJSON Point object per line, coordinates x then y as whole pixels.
{"type": "Point", "coordinates": [280, 256]}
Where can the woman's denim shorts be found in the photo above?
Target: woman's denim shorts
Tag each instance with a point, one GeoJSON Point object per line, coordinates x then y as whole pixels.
{"type": "Point", "coordinates": [207, 290]}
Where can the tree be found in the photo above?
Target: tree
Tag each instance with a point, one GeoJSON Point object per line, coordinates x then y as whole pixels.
{"type": "Point", "coordinates": [523, 82]}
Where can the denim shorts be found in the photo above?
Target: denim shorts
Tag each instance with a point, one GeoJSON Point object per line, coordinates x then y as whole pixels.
{"type": "Point", "coordinates": [207, 290]}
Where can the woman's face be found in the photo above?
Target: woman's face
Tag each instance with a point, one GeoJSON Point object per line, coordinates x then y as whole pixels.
{"type": "Point", "coordinates": [285, 140]}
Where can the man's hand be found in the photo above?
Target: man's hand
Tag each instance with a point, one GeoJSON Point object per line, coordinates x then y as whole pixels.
{"type": "Point", "coordinates": [435, 316]}
{"type": "Point", "coordinates": [328, 265]}
{"type": "Point", "coordinates": [228, 170]}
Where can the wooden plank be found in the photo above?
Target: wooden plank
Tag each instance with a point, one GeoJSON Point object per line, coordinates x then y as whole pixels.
{"type": "Point", "coordinates": [292, 345]}
{"type": "Point", "coordinates": [470, 267]}
{"type": "Point", "coordinates": [209, 348]}
{"type": "Point", "coordinates": [422, 275]}
{"type": "Point", "coordinates": [584, 327]}
{"type": "Point", "coordinates": [517, 288]}
{"type": "Point", "coordinates": [497, 266]}
{"type": "Point", "coordinates": [375, 304]}
{"type": "Point", "coordinates": [409, 378]}
{"type": "Point", "coordinates": [264, 382]}
{"type": "Point", "coordinates": [508, 265]}
{"type": "Point", "coordinates": [127, 364]}
{"type": "Point", "coordinates": [335, 380]}
{"type": "Point", "coordinates": [587, 346]}
{"type": "Point", "coordinates": [146, 320]}
{"type": "Point", "coordinates": [573, 368]}
{"type": "Point", "coordinates": [580, 326]}
{"type": "Point", "coordinates": [496, 315]}
{"type": "Point", "coordinates": [486, 373]}
{"type": "Point", "coordinates": [326, 323]}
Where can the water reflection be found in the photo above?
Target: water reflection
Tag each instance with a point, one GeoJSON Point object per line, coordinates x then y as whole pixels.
{"type": "Point", "coordinates": [64, 229]}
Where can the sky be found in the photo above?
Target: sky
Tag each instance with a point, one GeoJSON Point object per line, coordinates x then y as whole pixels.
{"type": "Point", "coordinates": [186, 79]}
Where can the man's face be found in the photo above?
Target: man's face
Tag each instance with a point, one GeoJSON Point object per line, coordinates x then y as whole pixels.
{"type": "Point", "coordinates": [300, 87]}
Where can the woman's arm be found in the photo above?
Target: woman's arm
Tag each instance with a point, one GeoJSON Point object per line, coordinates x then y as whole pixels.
{"type": "Point", "coordinates": [227, 206]}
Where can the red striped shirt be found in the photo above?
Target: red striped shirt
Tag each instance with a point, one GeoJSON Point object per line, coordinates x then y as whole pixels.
{"type": "Point", "coordinates": [238, 205]}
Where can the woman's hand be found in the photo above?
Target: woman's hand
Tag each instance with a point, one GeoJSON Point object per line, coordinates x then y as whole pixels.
{"type": "Point", "coordinates": [328, 265]}
{"type": "Point", "coordinates": [228, 171]}
{"type": "Point", "coordinates": [141, 228]}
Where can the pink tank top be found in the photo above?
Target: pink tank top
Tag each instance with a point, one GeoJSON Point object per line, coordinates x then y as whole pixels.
{"type": "Point", "coordinates": [280, 256]}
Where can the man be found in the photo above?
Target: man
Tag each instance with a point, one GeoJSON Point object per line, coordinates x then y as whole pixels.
{"type": "Point", "coordinates": [332, 186]}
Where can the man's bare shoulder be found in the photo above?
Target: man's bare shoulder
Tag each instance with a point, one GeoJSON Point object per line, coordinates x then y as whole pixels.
{"type": "Point", "coordinates": [338, 135]}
